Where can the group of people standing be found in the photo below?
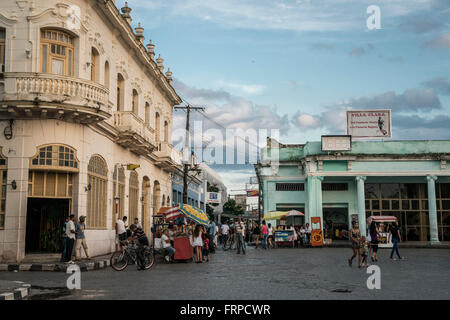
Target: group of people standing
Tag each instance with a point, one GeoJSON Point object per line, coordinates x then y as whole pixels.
{"type": "Point", "coordinates": [74, 237]}
{"type": "Point", "coordinates": [205, 241]}
{"type": "Point", "coordinates": [362, 246]}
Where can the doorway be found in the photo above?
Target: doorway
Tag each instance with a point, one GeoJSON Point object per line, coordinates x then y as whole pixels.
{"type": "Point", "coordinates": [45, 220]}
{"type": "Point", "coordinates": [339, 218]}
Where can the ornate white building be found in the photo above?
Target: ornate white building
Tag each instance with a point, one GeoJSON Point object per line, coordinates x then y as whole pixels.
{"type": "Point", "coordinates": [81, 96]}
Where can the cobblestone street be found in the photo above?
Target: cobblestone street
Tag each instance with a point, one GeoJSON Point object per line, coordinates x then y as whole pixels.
{"type": "Point", "coordinates": [274, 274]}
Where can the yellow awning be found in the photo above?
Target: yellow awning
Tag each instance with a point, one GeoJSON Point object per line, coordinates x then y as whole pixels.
{"type": "Point", "coordinates": [274, 215]}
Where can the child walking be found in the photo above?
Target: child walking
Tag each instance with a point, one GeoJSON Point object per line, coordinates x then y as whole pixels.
{"type": "Point", "coordinates": [365, 251]}
{"type": "Point", "coordinates": [206, 247]}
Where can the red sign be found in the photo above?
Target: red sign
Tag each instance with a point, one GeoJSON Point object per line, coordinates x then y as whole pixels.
{"type": "Point", "coordinates": [252, 193]}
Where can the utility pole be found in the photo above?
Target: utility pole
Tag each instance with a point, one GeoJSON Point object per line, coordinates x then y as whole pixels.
{"type": "Point", "coordinates": [187, 149]}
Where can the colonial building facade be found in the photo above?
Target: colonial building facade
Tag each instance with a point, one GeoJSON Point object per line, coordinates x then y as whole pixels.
{"type": "Point", "coordinates": [406, 179]}
{"type": "Point", "coordinates": [81, 97]}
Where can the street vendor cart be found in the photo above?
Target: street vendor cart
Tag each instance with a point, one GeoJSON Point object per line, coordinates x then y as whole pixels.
{"type": "Point", "coordinates": [284, 238]}
{"type": "Point", "coordinates": [384, 240]}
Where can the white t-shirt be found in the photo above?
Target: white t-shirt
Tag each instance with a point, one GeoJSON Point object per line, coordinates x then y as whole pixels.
{"type": "Point", "coordinates": [270, 231]}
{"type": "Point", "coordinates": [70, 226]}
{"type": "Point", "coordinates": [164, 238]}
{"type": "Point", "coordinates": [121, 227]}
{"type": "Point", "coordinates": [225, 229]}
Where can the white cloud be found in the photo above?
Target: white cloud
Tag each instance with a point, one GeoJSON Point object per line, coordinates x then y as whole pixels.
{"type": "Point", "coordinates": [243, 88]}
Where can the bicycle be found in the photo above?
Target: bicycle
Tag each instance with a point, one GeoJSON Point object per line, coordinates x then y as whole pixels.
{"type": "Point", "coordinates": [230, 243]}
{"type": "Point", "coordinates": [119, 260]}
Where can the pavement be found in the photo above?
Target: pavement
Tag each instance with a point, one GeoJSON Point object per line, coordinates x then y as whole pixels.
{"type": "Point", "coordinates": [42, 264]}
{"type": "Point", "coordinates": [306, 273]}
{"type": "Point", "coordinates": [14, 290]}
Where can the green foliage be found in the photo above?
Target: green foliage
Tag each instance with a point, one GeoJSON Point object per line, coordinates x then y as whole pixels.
{"type": "Point", "coordinates": [230, 207]}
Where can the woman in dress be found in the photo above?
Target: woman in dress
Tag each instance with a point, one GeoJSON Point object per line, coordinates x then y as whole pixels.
{"type": "Point", "coordinates": [355, 237]}
{"type": "Point", "coordinates": [198, 243]}
{"type": "Point", "coordinates": [374, 234]}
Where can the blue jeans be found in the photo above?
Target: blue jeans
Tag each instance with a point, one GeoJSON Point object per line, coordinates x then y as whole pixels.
{"type": "Point", "coordinates": [170, 251]}
{"type": "Point", "coordinates": [265, 241]}
{"type": "Point", "coordinates": [240, 243]}
{"type": "Point", "coordinates": [395, 248]}
{"type": "Point", "coordinates": [63, 255]}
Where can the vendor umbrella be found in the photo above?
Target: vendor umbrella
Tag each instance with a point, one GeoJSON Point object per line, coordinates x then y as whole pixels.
{"type": "Point", "coordinates": [194, 214]}
{"type": "Point", "coordinates": [293, 213]}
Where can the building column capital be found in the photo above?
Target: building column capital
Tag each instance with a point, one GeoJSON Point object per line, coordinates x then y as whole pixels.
{"type": "Point", "coordinates": [431, 178]}
{"type": "Point", "coordinates": [360, 178]}
{"type": "Point", "coordinates": [319, 178]}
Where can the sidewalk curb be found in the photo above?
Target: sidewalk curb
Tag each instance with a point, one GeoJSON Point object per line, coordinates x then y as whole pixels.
{"type": "Point", "coordinates": [56, 267]}
{"type": "Point", "coordinates": [20, 293]}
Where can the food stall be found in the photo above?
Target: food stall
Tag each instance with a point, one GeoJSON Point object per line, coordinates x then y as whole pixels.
{"type": "Point", "coordinates": [182, 240]}
{"type": "Point", "coordinates": [286, 236]}
{"type": "Point", "coordinates": [384, 240]}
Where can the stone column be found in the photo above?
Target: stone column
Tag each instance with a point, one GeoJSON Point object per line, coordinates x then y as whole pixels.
{"type": "Point", "coordinates": [432, 212]}
{"type": "Point", "coordinates": [361, 205]}
{"type": "Point", "coordinates": [314, 198]}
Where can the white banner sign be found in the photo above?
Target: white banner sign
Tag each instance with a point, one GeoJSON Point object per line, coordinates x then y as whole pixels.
{"type": "Point", "coordinates": [212, 197]}
{"type": "Point", "coordinates": [369, 123]}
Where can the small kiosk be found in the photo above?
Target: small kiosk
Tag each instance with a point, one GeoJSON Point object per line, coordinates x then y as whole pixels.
{"type": "Point", "coordinates": [384, 240]}
{"type": "Point", "coordinates": [316, 232]}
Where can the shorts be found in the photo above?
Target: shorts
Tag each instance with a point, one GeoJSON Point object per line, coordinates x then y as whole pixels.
{"type": "Point", "coordinates": [123, 236]}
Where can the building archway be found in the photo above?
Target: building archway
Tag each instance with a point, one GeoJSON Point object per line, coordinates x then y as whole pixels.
{"type": "Point", "coordinates": [156, 197]}
{"type": "Point", "coordinates": [51, 179]}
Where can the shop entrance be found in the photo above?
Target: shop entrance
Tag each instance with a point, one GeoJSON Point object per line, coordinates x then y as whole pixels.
{"type": "Point", "coordinates": [339, 218]}
{"type": "Point", "coordinates": [45, 219]}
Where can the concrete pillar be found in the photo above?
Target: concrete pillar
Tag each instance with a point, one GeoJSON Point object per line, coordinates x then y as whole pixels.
{"type": "Point", "coordinates": [432, 212]}
{"type": "Point", "coordinates": [361, 205]}
{"type": "Point", "coordinates": [314, 198]}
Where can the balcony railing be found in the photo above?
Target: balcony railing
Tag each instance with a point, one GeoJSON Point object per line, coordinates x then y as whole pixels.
{"type": "Point", "coordinates": [23, 90]}
{"type": "Point", "coordinates": [165, 157]}
{"type": "Point", "coordinates": [134, 133]}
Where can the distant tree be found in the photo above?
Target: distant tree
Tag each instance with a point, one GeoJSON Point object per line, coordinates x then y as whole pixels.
{"type": "Point", "coordinates": [230, 207]}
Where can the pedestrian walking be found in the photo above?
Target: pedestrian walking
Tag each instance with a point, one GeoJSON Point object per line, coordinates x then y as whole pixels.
{"type": "Point", "coordinates": [224, 230]}
{"type": "Point", "coordinates": [374, 234]}
{"type": "Point", "coordinates": [239, 229]}
{"type": "Point", "coordinates": [205, 250]}
{"type": "Point", "coordinates": [303, 234]}
{"type": "Point", "coordinates": [265, 234]}
{"type": "Point", "coordinates": [81, 239]}
{"type": "Point", "coordinates": [198, 243]}
{"type": "Point", "coordinates": [212, 232]}
{"type": "Point", "coordinates": [64, 239]}
{"type": "Point", "coordinates": [394, 233]}
{"type": "Point", "coordinates": [70, 233]}
{"type": "Point", "coordinates": [256, 234]}
{"type": "Point", "coordinates": [308, 233]}
{"type": "Point", "coordinates": [270, 235]}
{"type": "Point", "coordinates": [121, 230]}
{"type": "Point", "coordinates": [364, 251]}
{"type": "Point", "coordinates": [355, 237]}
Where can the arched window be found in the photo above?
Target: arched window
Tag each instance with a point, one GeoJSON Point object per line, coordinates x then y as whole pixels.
{"type": "Point", "coordinates": [57, 49]}
{"type": "Point", "coordinates": [2, 49]}
{"type": "Point", "coordinates": [157, 127]}
{"type": "Point", "coordinates": [119, 194]}
{"type": "Point", "coordinates": [97, 193]}
{"type": "Point", "coordinates": [133, 197]}
{"type": "Point", "coordinates": [120, 91]}
{"type": "Point", "coordinates": [95, 67]}
{"type": "Point", "coordinates": [55, 157]}
{"type": "Point", "coordinates": [163, 202]}
{"type": "Point", "coordinates": [135, 102]}
{"type": "Point", "coordinates": [3, 184]}
{"type": "Point", "coordinates": [147, 114]}
{"type": "Point", "coordinates": [107, 75]}
{"type": "Point", "coordinates": [166, 131]}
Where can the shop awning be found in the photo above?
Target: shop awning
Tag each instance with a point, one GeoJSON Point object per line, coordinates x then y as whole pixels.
{"type": "Point", "coordinates": [274, 215]}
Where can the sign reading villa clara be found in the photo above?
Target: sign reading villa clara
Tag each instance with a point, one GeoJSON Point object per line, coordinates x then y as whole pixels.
{"type": "Point", "coordinates": [368, 124]}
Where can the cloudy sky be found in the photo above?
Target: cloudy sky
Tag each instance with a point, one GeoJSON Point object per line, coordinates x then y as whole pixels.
{"type": "Point", "coordinates": [297, 65]}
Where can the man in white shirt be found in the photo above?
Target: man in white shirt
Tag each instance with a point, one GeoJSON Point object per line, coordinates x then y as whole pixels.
{"type": "Point", "coordinates": [165, 242]}
{"type": "Point", "coordinates": [121, 229]}
{"type": "Point", "coordinates": [225, 230]}
{"type": "Point", "coordinates": [70, 233]}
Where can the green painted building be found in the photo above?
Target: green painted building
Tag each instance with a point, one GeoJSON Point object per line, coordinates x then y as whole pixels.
{"type": "Point", "coordinates": [406, 179]}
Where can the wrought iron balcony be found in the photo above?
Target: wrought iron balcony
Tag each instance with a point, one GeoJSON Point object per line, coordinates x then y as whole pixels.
{"type": "Point", "coordinates": [40, 95]}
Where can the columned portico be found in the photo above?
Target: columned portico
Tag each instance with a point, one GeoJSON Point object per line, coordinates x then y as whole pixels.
{"type": "Point", "coordinates": [361, 204]}
{"type": "Point", "coordinates": [432, 215]}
